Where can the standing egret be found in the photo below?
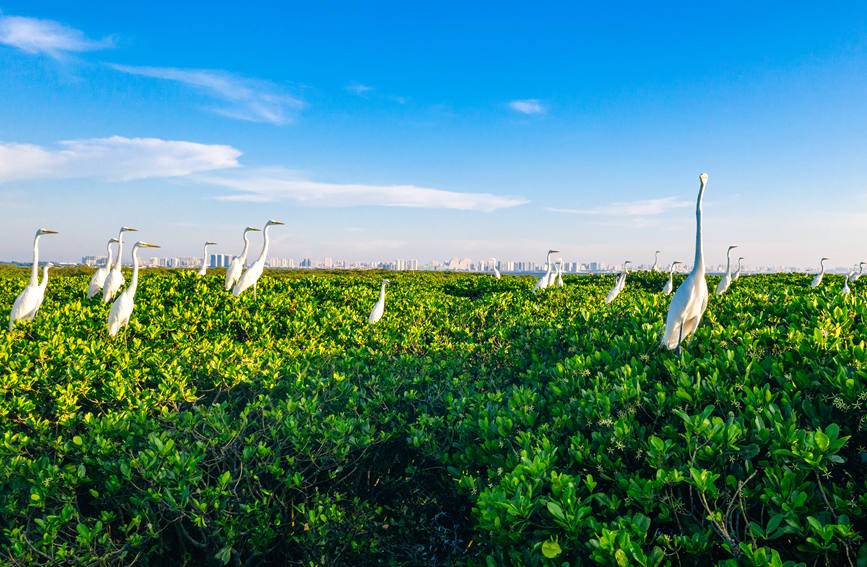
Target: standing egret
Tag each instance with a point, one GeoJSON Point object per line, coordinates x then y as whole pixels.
{"type": "Point", "coordinates": [727, 279]}
{"type": "Point", "coordinates": [379, 308]}
{"type": "Point", "coordinates": [121, 309]}
{"type": "Point", "coordinates": [738, 271]}
{"type": "Point", "coordinates": [98, 278]}
{"type": "Point", "coordinates": [237, 264]}
{"type": "Point", "coordinates": [618, 286]}
{"type": "Point", "coordinates": [560, 273]}
{"type": "Point", "coordinates": [621, 282]}
{"type": "Point", "coordinates": [854, 277]}
{"type": "Point", "coordinates": [115, 278]}
{"type": "Point", "coordinates": [817, 281]}
{"type": "Point", "coordinates": [204, 269]}
{"type": "Point", "coordinates": [28, 301]}
{"type": "Point", "coordinates": [846, 290]}
{"type": "Point", "coordinates": [546, 277]}
{"type": "Point", "coordinates": [251, 276]}
{"type": "Point", "coordinates": [669, 285]}
{"type": "Point", "coordinates": [690, 300]}
{"type": "Point", "coordinates": [497, 273]}
{"type": "Point", "coordinates": [654, 267]}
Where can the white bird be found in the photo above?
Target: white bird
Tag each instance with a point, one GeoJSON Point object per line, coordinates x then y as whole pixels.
{"type": "Point", "coordinates": [254, 272]}
{"type": "Point", "coordinates": [28, 301]}
{"type": "Point", "coordinates": [854, 278]}
{"type": "Point", "coordinates": [724, 283]}
{"type": "Point", "coordinates": [654, 267]}
{"type": "Point", "coordinates": [497, 273]}
{"type": "Point", "coordinates": [560, 273]}
{"type": "Point", "coordinates": [546, 277]}
{"type": "Point", "coordinates": [690, 299]}
{"type": "Point", "coordinates": [122, 307]}
{"type": "Point", "coordinates": [669, 285]}
{"type": "Point", "coordinates": [737, 273]}
{"type": "Point", "coordinates": [619, 283]}
{"type": "Point", "coordinates": [376, 313]}
{"type": "Point", "coordinates": [115, 278]}
{"type": "Point", "coordinates": [817, 281]}
{"type": "Point", "coordinates": [98, 278]}
{"type": "Point", "coordinates": [237, 264]}
{"type": "Point", "coordinates": [846, 290]}
{"type": "Point", "coordinates": [204, 269]}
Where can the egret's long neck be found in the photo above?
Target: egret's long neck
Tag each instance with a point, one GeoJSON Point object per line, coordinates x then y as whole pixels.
{"type": "Point", "coordinates": [698, 266]}
{"type": "Point", "coordinates": [729, 261]}
{"type": "Point", "coordinates": [382, 292]}
{"type": "Point", "coordinates": [133, 284]}
{"type": "Point", "coordinates": [243, 257]}
{"type": "Point", "coordinates": [205, 256]}
{"type": "Point", "coordinates": [44, 276]}
{"type": "Point", "coordinates": [822, 263]}
{"type": "Point", "coordinates": [108, 253]}
{"type": "Point", "coordinates": [264, 252]}
{"type": "Point", "coordinates": [34, 272]}
{"type": "Point", "coordinates": [117, 266]}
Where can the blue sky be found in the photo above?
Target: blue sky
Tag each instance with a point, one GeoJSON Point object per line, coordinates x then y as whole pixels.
{"type": "Point", "coordinates": [385, 130]}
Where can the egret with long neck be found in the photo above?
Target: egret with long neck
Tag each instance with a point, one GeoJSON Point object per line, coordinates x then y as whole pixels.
{"type": "Point", "coordinates": [379, 308]}
{"type": "Point", "coordinates": [727, 278]}
{"type": "Point", "coordinates": [817, 281]}
{"type": "Point", "coordinates": [115, 279]}
{"type": "Point", "coordinates": [496, 271]}
{"type": "Point", "coordinates": [737, 273]}
{"type": "Point", "coordinates": [98, 278]}
{"type": "Point", "coordinates": [669, 285]}
{"type": "Point", "coordinates": [122, 307]}
{"type": "Point", "coordinates": [28, 301]}
{"type": "Point", "coordinates": [237, 265]}
{"type": "Point", "coordinates": [204, 269]}
{"type": "Point", "coordinates": [545, 279]}
{"type": "Point", "coordinates": [846, 290]}
{"type": "Point", "coordinates": [560, 273]}
{"type": "Point", "coordinates": [654, 267]}
{"type": "Point", "coordinates": [621, 283]}
{"type": "Point", "coordinates": [854, 277]}
{"type": "Point", "coordinates": [690, 300]}
{"type": "Point", "coordinates": [254, 272]}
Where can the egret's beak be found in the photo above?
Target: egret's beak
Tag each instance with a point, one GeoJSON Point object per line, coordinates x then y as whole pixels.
{"type": "Point", "coordinates": [553, 251]}
{"type": "Point", "coordinates": [210, 243]}
{"type": "Point", "coordinates": [128, 229]}
{"type": "Point", "coordinates": [148, 245]}
{"type": "Point", "coordinates": [251, 228]}
{"type": "Point", "coordinates": [46, 231]}
{"type": "Point", "coordinates": [114, 240]}
{"type": "Point", "coordinates": [275, 222]}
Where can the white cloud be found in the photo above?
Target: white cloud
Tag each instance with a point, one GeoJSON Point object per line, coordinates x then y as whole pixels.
{"type": "Point", "coordinates": [245, 99]}
{"type": "Point", "coordinates": [527, 106]}
{"type": "Point", "coordinates": [46, 36]}
{"type": "Point", "coordinates": [358, 88]}
{"type": "Point", "coordinates": [115, 158]}
{"type": "Point", "coordinates": [278, 184]}
{"type": "Point", "coordinates": [644, 207]}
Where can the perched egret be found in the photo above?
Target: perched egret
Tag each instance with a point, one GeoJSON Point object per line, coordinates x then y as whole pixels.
{"type": "Point", "coordinates": [115, 279]}
{"type": "Point", "coordinates": [690, 299]}
{"type": "Point", "coordinates": [497, 273]}
{"type": "Point", "coordinates": [121, 309]}
{"type": "Point", "coordinates": [251, 276]}
{"type": "Point", "coordinates": [846, 290]}
{"type": "Point", "coordinates": [28, 301]}
{"type": "Point", "coordinates": [204, 269]}
{"type": "Point", "coordinates": [724, 283]}
{"type": "Point", "coordinates": [817, 281]}
{"type": "Point", "coordinates": [854, 277]}
{"type": "Point", "coordinates": [622, 281]}
{"type": "Point", "coordinates": [99, 275]}
{"type": "Point", "coordinates": [737, 273]}
{"type": "Point", "coordinates": [560, 273]}
{"type": "Point", "coordinates": [546, 277]}
{"type": "Point", "coordinates": [618, 286]}
{"type": "Point", "coordinates": [237, 264]}
{"type": "Point", "coordinates": [655, 266]}
{"type": "Point", "coordinates": [379, 308]}
{"type": "Point", "coordinates": [669, 285]}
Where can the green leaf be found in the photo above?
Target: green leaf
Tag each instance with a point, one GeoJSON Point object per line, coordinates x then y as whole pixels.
{"type": "Point", "coordinates": [556, 510]}
{"type": "Point", "coordinates": [551, 549]}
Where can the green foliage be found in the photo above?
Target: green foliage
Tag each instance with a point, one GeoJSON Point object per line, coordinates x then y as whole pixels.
{"type": "Point", "coordinates": [476, 424]}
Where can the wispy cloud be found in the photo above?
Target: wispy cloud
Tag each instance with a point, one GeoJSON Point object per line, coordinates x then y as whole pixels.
{"type": "Point", "coordinates": [646, 207]}
{"type": "Point", "coordinates": [358, 88]}
{"type": "Point", "coordinates": [278, 184]}
{"type": "Point", "coordinates": [115, 158]}
{"type": "Point", "coordinates": [46, 37]}
{"type": "Point", "coordinates": [527, 106]}
{"type": "Point", "coordinates": [245, 99]}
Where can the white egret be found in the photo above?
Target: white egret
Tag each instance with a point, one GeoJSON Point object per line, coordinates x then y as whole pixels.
{"type": "Point", "coordinates": [654, 267]}
{"type": "Point", "coordinates": [121, 309]}
{"type": "Point", "coordinates": [737, 273]}
{"type": "Point", "coordinates": [724, 283]}
{"type": "Point", "coordinates": [497, 273]}
{"type": "Point", "coordinates": [560, 273]}
{"type": "Point", "coordinates": [237, 264]}
{"type": "Point", "coordinates": [98, 278]}
{"type": "Point", "coordinates": [854, 277]}
{"type": "Point", "coordinates": [546, 277]}
{"type": "Point", "coordinates": [690, 300]}
{"type": "Point", "coordinates": [618, 286]}
{"type": "Point", "coordinates": [115, 279]}
{"type": "Point", "coordinates": [254, 272]}
{"type": "Point", "coordinates": [846, 290]}
{"type": "Point", "coordinates": [204, 269]}
{"type": "Point", "coordinates": [621, 282]}
{"type": "Point", "coordinates": [28, 301]}
{"type": "Point", "coordinates": [817, 281]}
{"type": "Point", "coordinates": [379, 308]}
{"type": "Point", "coordinates": [669, 285]}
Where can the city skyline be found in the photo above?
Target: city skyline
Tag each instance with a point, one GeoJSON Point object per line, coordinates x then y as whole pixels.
{"type": "Point", "coordinates": [461, 131]}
